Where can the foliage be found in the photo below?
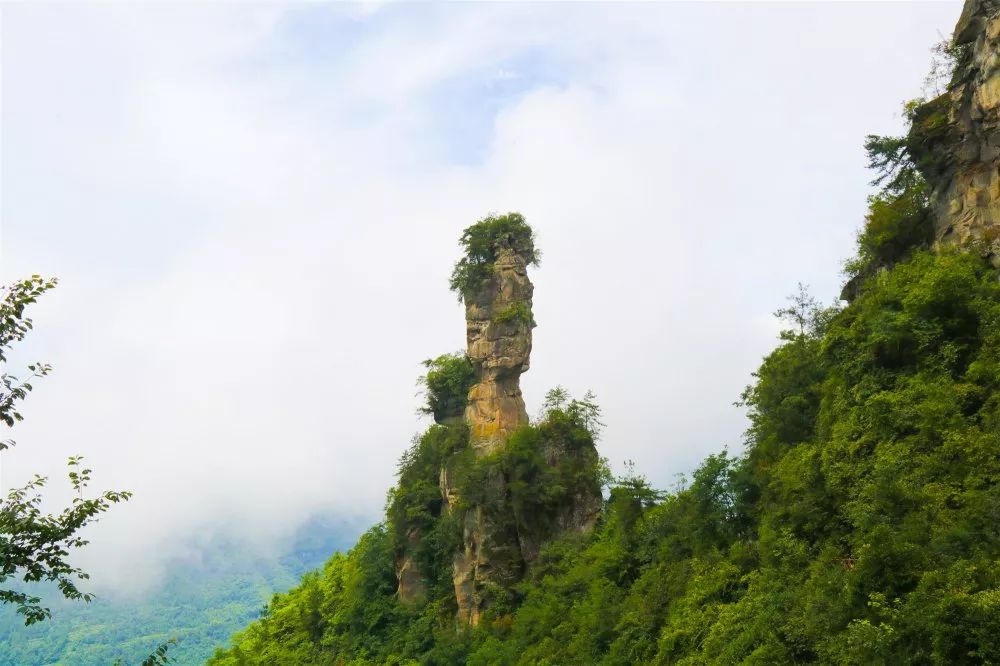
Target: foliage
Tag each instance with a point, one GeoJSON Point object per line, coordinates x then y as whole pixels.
{"type": "Point", "coordinates": [35, 546]}
{"type": "Point", "coordinates": [158, 657]}
{"type": "Point", "coordinates": [415, 504]}
{"type": "Point", "coordinates": [517, 312]}
{"type": "Point", "coordinates": [858, 527]}
{"type": "Point", "coordinates": [482, 243]}
{"type": "Point", "coordinates": [891, 159]}
{"type": "Point", "coordinates": [899, 218]}
{"type": "Point", "coordinates": [447, 382]}
{"type": "Point", "coordinates": [354, 609]}
{"type": "Point", "coordinates": [544, 465]}
{"type": "Point", "coordinates": [201, 601]}
{"type": "Point", "coordinates": [896, 225]}
{"type": "Point", "coordinates": [947, 57]}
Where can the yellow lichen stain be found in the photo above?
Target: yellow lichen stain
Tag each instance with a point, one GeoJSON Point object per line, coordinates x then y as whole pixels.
{"type": "Point", "coordinates": [485, 429]}
{"type": "Point", "coordinates": [989, 93]}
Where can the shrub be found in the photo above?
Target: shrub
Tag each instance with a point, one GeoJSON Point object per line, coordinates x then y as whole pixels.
{"type": "Point", "coordinates": [447, 382]}
{"type": "Point", "coordinates": [517, 312]}
{"type": "Point", "coordinates": [896, 225]}
{"type": "Point", "coordinates": [482, 243]}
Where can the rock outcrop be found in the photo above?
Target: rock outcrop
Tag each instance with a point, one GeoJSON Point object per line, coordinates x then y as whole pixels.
{"type": "Point", "coordinates": [955, 138]}
{"type": "Point", "coordinates": [502, 504]}
{"type": "Point", "coordinates": [498, 331]}
{"type": "Point", "coordinates": [498, 321]}
{"type": "Point", "coordinates": [411, 588]}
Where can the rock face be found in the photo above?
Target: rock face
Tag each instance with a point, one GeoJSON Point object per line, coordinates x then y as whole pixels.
{"type": "Point", "coordinates": [490, 559]}
{"type": "Point", "coordinates": [498, 332]}
{"type": "Point", "coordinates": [411, 587]}
{"type": "Point", "coordinates": [498, 323]}
{"type": "Point", "coordinates": [955, 138]}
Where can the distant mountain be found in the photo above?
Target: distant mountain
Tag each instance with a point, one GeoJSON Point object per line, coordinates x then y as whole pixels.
{"type": "Point", "coordinates": [201, 604]}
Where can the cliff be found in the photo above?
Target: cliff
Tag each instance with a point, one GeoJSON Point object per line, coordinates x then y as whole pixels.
{"type": "Point", "coordinates": [939, 185]}
{"type": "Point", "coordinates": [955, 138]}
{"type": "Point", "coordinates": [498, 321]}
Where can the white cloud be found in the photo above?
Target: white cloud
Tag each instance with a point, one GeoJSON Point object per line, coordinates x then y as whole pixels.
{"type": "Point", "coordinates": [254, 226]}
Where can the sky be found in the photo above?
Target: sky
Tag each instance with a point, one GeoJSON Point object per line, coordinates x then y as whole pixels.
{"type": "Point", "coordinates": [253, 211]}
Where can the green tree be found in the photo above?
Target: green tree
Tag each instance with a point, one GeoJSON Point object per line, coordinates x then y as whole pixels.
{"type": "Point", "coordinates": [481, 244]}
{"type": "Point", "coordinates": [446, 384]}
{"type": "Point", "coordinates": [35, 546]}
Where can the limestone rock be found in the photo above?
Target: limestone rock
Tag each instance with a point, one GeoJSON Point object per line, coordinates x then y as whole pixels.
{"type": "Point", "coordinates": [579, 515]}
{"type": "Point", "coordinates": [411, 583]}
{"type": "Point", "coordinates": [955, 138]}
{"type": "Point", "coordinates": [498, 335]}
{"type": "Point", "coordinates": [500, 538]}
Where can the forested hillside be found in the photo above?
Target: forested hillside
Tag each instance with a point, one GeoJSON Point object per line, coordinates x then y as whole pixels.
{"type": "Point", "coordinates": [201, 601]}
{"type": "Point", "coordinates": [860, 524]}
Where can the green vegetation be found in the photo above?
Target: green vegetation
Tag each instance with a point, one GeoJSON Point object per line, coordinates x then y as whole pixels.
{"type": "Point", "coordinates": [158, 657]}
{"type": "Point", "coordinates": [896, 225]}
{"type": "Point", "coordinates": [35, 546]}
{"type": "Point", "coordinates": [351, 608]}
{"type": "Point", "coordinates": [859, 526]}
{"type": "Point", "coordinates": [447, 382]}
{"type": "Point", "coordinates": [899, 217]}
{"type": "Point", "coordinates": [517, 312]}
{"type": "Point", "coordinates": [201, 602]}
{"type": "Point", "coordinates": [482, 243]}
{"type": "Point", "coordinates": [415, 504]}
{"type": "Point", "coordinates": [536, 486]}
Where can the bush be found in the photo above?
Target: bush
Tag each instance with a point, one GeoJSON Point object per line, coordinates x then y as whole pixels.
{"type": "Point", "coordinates": [447, 382]}
{"type": "Point", "coordinates": [517, 312]}
{"type": "Point", "coordinates": [896, 225]}
{"type": "Point", "coordinates": [482, 243]}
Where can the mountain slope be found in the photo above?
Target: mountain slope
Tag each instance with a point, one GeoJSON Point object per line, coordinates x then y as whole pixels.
{"type": "Point", "coordinates": [200, 603]}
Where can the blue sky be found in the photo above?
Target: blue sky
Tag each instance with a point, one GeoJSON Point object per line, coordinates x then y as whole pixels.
{"type": "Point", "coordinates": [253, 210]}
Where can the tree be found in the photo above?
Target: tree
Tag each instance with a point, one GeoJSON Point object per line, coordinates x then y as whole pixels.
{"type": "Point", "coordinates": [35, 546]}
{"type": "Point", "coordinates": [447, 382]}
{"type": "Point", "coordinates": [482, 243]}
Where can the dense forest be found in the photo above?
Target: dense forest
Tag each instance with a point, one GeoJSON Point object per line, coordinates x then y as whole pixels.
{"type": "Point", "coordinates": [858, 524]}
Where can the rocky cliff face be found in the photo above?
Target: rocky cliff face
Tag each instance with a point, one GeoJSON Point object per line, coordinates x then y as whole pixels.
{"type": "Point", "coordinates": [410, 582]}
{"type": "Point", "coordinates": [498, 332]}
{"type": "Point", "coordinates": [498, 321]}
{"type": "Point", "coordinates": [955, 138]}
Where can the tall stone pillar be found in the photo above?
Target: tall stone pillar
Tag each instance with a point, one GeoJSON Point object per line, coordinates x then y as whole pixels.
{"type": "Point", "coordinates": [498, 331]}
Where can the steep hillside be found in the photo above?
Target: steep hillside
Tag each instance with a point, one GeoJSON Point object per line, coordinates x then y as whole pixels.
{"type": "Point", "coordinates": [860, 526]}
